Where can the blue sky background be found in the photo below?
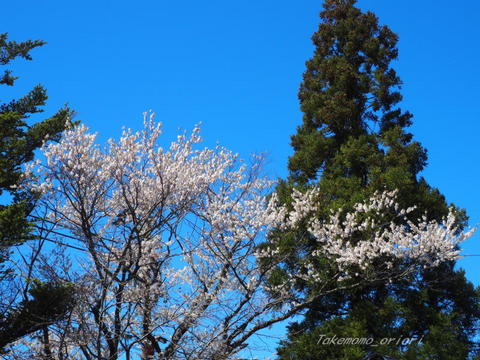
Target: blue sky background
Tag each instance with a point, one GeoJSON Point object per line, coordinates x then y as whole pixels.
{"type": "Point", "coordinates": [236, 67]}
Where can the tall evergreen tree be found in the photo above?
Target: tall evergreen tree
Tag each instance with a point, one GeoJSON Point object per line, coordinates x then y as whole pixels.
{"type": "Point", "coordinates": [42, 302]}
{"type": "Point", "coordinates": [353, 141]}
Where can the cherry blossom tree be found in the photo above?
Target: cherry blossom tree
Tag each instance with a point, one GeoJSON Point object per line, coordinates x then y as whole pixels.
{"type": "Point", "coordinates": [169, 251]}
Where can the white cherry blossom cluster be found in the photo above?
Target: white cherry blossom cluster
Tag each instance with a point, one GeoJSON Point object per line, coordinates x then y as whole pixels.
{"type": "Point", "coordinates": [166, 240]}
{"type": "Point", "coordinates": [166, 244]}
{"type": "Point", "coordinates": [390, 235]}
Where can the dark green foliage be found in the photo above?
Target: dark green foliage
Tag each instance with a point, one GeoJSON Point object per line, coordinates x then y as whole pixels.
{"type": "Point", "coordinates": [48, 302]}
{"type": "Point", "coordinates": [18, 141]}
{"type": "Point", "coordinates": [9, 50]}
{"type": "Point", "coordinates": [352, 143]}
{"type": "Point", "coordinates": [348, 87]}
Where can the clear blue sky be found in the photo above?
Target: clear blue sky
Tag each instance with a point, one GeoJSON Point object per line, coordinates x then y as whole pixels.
{"type": "Point", "coordinates": [235, 66]}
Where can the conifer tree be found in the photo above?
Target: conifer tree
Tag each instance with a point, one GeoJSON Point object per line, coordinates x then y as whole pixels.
{"type": "Point", "coordinates": [42, 302]}
{"type": "Point", "coordinates": [354, 141]}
